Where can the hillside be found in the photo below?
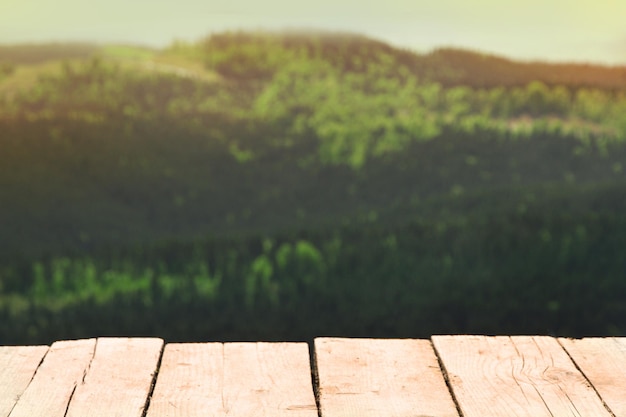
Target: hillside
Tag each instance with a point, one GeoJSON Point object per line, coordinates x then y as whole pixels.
{"type": "Point", "coordinates": [450, 66]}
{"type": "Point", "coordinates": [447, 66]}
{"type": "Point", "coordinates": [248, 171]}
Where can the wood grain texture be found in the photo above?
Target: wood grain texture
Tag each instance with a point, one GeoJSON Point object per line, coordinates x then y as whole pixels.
{"type": "Point", "coordinates": [17, 367]}
{"type": "Point", "coordinates": [603, 362]}
{"type": "Point", "coordinates": [52, 387]}
{"type": "Point", "coordinates": [118, 380]}
{"type": "Point", "coordinates": [515, 376]}
{"type": "Point", "coordinates": [373, 378]}
{"type": "Point", "coordinates": [268, 380]}
{"type": "Point", "coordinates": [234, 379]}
{"type": "Point", "coordinates": [190, 381]}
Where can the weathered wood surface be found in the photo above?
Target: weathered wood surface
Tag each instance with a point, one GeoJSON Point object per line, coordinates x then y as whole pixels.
{"type": "Point", "coordinates": [17, 367]}
{"type": "Point", "coordinates": [118, 379]}
{"type": "Point", "coordinates": [234, 379]}
{"type": "Point", "coordinates": [472, 375]}
{"type": "Point", "coordinates": [603, 362]}
{"type": "Point", "coordinates": [372, 378]}
{"type": "Point", "coordinates": [516, 376]}
{"type": "Point", "coordinates": [190, 381]}
{"type": "Point", "coordinates": [63, 368]}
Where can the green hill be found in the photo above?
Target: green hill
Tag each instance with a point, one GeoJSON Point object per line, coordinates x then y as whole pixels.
{"type": "Point", "coordinates": [282, 185]}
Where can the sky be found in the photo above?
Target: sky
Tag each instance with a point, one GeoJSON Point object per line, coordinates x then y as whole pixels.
{"type": "Point", "coordinates": [554, 30]}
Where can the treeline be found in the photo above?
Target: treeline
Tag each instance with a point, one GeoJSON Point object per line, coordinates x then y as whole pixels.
{"type": "Point", "coordinates": [254, 54]}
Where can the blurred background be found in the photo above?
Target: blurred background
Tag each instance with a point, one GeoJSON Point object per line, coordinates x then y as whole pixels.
{"type": "Point", "coordinates": [238, 171]}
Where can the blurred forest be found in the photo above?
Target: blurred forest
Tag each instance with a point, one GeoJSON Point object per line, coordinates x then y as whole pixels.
{"type": "Point", "coordinates": [281, 186]}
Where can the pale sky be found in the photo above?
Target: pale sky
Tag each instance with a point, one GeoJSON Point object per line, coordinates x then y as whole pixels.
{"type": "Point", "coordinates": [556, 30]}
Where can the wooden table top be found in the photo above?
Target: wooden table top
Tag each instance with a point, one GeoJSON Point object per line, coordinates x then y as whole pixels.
{"type": "Point", "coordinates": [447, 376]}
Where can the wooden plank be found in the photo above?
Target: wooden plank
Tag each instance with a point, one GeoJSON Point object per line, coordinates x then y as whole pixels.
{"type": "Point", "coordinates": [603, 362]}
{"type": "Point", "coordinates": [190, 381]}
{"type": "Point", "coordinates": [268, 380]}
{"type": "Point", "coordinates": [234, 379]}
{"type": "Point", "coordinates": [515, 376]}
{"type": "Point", "coordinates": [17, 367]}
{"type": "Point", "coordinates": [372, 378]}
{"type": "Point", "coordinates": [52, 387]}
{"type": "Point", "coordinates": [118, 380]}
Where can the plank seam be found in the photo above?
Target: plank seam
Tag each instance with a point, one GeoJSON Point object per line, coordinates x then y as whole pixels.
{"type": "Point", "coordinates": [586, 378]}
{"type": "Point", "coordinates": [315, 378]}
{"type": "Point", "coordinates": [446, 378]}
{"type": "Point", "coordinates": [153, 383]}
{"type": "Point", "coordinates": [82, 382]}
{"type": "Point", "coordinates": [223, 377]}
{"type": "Point", "coordinates": [93, 356]}
{"type": "Point", "coordinates": [69, 400]}
{"type": "Point", "coordinates": [17, 400]}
